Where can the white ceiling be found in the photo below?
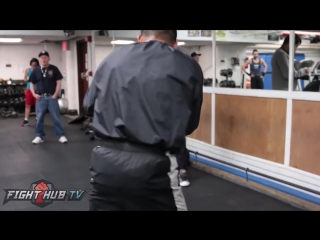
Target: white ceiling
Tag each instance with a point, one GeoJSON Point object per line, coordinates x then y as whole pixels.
{"type": "Point", "coordinates": [38, 39]}
{"type": "Point", "coordinates": [106, 41]}
{"type": "Point", "coordinates": [100, 40]}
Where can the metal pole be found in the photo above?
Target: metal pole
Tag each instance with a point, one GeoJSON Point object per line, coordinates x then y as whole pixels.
{"type": "Point", "coordinates": [291, 60]}
{"type": "Point", "coordinates": [214, 58]}
{"type": "Point", "coordinates": [93, 52]}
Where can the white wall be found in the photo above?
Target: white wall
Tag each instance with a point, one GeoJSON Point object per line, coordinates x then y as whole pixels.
{"type": "Point", "coordinates": [19, 57]}
{"type": "Point", "coordinates": [72, 93]}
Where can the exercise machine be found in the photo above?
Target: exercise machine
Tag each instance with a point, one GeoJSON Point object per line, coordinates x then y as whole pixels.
{"type": "Point", "coordinates": [208, 82]}
{"type": "Point", "coordinates": [227, 73]}
{"type": "Point", "coordinates": [302, 64]}
{"type": "Point", "coordinates": [314, 84]}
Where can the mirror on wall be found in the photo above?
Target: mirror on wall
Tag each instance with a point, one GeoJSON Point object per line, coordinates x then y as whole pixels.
{"type": "Point", "coordinates": [244, 59]}
{"type": "Point", "coordinates": [258, 59]}
{"type": "Point", "coordinates": [199, 47]}
{"type": "Point", "coordinates": [306, 60]}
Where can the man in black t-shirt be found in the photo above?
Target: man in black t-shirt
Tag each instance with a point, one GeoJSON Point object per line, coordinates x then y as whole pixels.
{"type": "Point", "coordinates": [48, 79]}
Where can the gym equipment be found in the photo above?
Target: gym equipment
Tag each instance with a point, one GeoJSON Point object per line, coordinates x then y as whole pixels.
{"type": "Point", "coordinates": [227, 73]}
{"type": "Point", "coordinates": [315, 73]}
{"type": "Point", "coordinates": [303, 63]}
{"type": "Point", "coordinates": [314, 85]}
{"type": "Point", "coordinates": [12, 99]}
{"type": "Point", "coordinates": [207, 82]}
{"type": "Point", "coordinates": [235, 61]}
{"type": "Point", "coordinates": [4, 113]}
{"type": "Point", "coordinates": [228, 84]}
{"type": "Point", "coordinates": [14, 114]}
{"type": "Point", "coordinates": [63, 103]}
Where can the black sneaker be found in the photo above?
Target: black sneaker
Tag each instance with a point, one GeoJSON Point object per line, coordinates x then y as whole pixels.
{"type": "Point", "coordinates": [183, 179]}
{"type": "Point", "coordinates": [25, 123]}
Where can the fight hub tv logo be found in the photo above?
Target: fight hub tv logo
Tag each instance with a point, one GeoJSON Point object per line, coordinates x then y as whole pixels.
{"type": "Point", "coordinates": [42, 193]}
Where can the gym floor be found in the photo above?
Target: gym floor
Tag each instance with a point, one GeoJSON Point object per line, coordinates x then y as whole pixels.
{"type": "Point", "coordinates": [67, 167]}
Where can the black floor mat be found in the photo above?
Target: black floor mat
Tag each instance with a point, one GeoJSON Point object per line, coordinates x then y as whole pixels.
{"type": "Point", "coordinates": [67, 167]}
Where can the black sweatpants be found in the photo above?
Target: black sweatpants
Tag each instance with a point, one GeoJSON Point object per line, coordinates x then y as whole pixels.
{"type": "Point", "coordinates": [257, 83]}
{"type": "Point", "coordinates": [133, 177]}
{"type": "Point", "coordinates": [183, 158]}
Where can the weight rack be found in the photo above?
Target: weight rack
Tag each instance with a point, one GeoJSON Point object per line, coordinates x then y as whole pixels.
{"type": "Point", "coordinates": [12, 96]}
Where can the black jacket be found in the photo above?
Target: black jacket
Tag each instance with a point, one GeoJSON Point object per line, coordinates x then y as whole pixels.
{"type": "Point", "coordinates": [148, 93]}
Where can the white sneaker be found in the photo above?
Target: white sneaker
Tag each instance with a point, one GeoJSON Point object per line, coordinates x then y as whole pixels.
{"type": "Point", "coordinates": [183, 178]}
{"type": "Point", "coordinates": [63, 139]}
{"type": "Point", "coordinates": [37, 140]}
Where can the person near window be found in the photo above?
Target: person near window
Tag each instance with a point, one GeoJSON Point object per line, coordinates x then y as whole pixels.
{"type": "Point", "coordinates": [280, 66]}
{"type": "Point", "coordinates": [29, 99]}
{"type": "Point", "coordinates": [256, 74]}
{"type": "Point", "coordinates": [196, 56]}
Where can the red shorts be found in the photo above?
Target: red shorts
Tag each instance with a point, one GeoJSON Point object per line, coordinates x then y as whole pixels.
{"type": "Point", "coordinates": [30, 100]}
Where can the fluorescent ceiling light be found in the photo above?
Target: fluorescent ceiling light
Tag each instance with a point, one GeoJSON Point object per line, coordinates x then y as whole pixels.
{"type": "Point", "coordinates": [121, 42]}
{"type": "Point", "coordinates": [124, 42]}
{"type": "Point", "coordinates": [10, 39]}
{"type": "Point", "coordinates": [302, 33]}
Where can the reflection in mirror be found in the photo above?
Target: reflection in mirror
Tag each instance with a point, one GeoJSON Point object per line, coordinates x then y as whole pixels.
{"type": "Point", "coordinates": [286, 64]}
{"type": "Point", "coordinates": [306, 60]}
{"type": "Point", "coordinates": [243, 58]}
{"type": "Point", "coordinates": [198, 45]}
{"type": "Point", "coordinates": [259, 59]}
{"type": "Point", "coordinates": [313, 84]}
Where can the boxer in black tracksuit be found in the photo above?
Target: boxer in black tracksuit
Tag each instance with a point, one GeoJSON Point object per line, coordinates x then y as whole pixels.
{"type": "Point", "coordinates": [147, 97]}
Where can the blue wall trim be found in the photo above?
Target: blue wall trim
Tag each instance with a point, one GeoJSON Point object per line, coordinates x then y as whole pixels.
{"type": "Point", "coordinates": [282, 188]}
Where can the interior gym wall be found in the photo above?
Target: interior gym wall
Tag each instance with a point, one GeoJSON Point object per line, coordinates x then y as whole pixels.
{"type": "Point", "coordinates": [19, 57]}
{"type": "Point", "coordinates": [102, 52]}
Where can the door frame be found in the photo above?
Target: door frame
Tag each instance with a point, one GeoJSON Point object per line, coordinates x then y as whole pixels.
{"type": "Point", "coordinates": [81, 82]}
